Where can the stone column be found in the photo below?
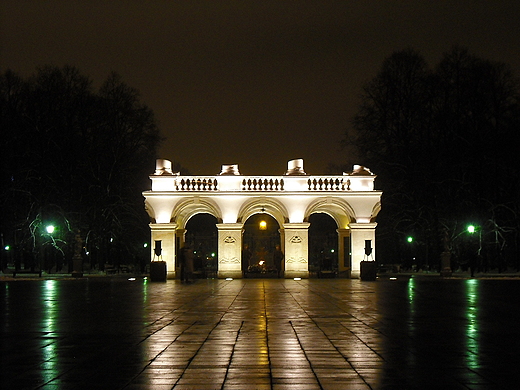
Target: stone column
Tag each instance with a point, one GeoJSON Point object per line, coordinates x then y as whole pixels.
{"type": "Point", "coordinates": [165, 232]}
{"type": "Point", "coordinates": [282, 239]}
{"type": "Point", "coordinates": [344, 266]}
{"type": "Point", "coordinates": [180, 235]}
{"type": "Point", "coordinates": [359, 233]}
{"type": "Point", "coordinates": [230, 250]}
{"type": "Point", "coordinates": [296, 250]}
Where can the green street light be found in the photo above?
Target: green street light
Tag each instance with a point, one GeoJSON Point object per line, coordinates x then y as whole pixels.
{"type": "Point", "coordinates": [471, 229]}
{"type": "Point", "coordinates": [49, 229]}
{"type": "Point", "coordinates": [409, 239]}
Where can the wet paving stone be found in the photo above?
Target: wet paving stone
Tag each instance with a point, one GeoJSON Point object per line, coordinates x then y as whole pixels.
{"type": "Point", "coordinates": [112, 333]}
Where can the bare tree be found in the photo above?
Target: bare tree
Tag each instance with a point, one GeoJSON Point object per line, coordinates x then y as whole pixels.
{"type": "Point", "coordinates": [77, 157]}
{"type": "Point", "coordinates": [442, 142]}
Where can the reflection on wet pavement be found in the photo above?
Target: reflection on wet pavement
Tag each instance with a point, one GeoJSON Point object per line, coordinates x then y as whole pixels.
{"type": "Point", "coordinates": [113, 333]}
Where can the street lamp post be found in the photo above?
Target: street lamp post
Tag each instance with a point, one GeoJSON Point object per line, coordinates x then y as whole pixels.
{"type": "Point", "coordinates": [45, 256]}
{"type": "Point", "coordinates": [472, 229]}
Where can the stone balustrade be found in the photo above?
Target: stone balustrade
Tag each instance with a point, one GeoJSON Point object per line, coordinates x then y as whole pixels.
{"type": "Point", "coordinates": [262, 183]}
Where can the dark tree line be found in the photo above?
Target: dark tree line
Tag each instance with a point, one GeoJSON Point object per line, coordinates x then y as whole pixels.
{"type": "Point", "coordinates": [444, 142]}
{"type": "Point", "coordinates": [75, 158]}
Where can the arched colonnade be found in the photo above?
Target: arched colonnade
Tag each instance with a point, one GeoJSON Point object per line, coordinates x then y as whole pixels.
{"type": "Point", "coordinates": [350, 199]}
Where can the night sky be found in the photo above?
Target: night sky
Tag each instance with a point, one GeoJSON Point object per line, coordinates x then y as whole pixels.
{"type": "Point", "coordinates": [255, 83]}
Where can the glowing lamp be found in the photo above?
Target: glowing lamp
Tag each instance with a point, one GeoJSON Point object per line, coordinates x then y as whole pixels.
{"type": "Point", "coordinates": [263, 225]}
{"type": "Point", "coordinates": [49, 229]}
{"type": "Point", "coordinates": [471, 229]}
{"type": "Point", "coordinates": [409, 239]}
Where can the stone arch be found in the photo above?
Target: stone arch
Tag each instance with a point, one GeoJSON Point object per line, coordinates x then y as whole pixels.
{"type": "Point", "coordinates": [266, 205]}
{"type": "Point", "coordinates": [323, 244]}
{"type": "Point", "coordinates": [337, 208]}
{"type": "Point", "coordinates": [185, 210]}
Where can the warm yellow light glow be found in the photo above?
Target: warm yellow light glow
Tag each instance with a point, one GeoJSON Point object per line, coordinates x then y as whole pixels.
{"type": "Point", "coordinates": [290, 199]}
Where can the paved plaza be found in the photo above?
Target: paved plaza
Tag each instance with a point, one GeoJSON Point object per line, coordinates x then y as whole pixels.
{"type": "Point", "coordinates": [116, 333]}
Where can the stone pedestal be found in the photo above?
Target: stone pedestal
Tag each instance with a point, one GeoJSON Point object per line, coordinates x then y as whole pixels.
{"type": "Point", "coordinates": [359, 234]}
{"type": "Point", "coordinates": [368, 270]}
{"type": "Point", "coordinates": [164, 232]}
{"type": "Point", "coordinates": [158, 271]}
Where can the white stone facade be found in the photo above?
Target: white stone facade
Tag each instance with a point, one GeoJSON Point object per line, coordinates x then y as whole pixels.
{"type": "Point", "coordinates": [350, 199]}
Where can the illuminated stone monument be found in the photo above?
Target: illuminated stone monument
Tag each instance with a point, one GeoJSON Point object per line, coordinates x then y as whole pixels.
{"type": "Point", "coordinates": [350, 199]}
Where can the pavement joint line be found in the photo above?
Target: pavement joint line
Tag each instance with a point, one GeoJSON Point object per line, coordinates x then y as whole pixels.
{"type": "Point", "coordinates": [267, 335]}
{"type": "Point", "coordinates": [312, 319]}
{"type": "Point", "coordinates": [365, 343]}
{"type": "Point", "coordinates": [306, 356]}
{"type": "Point", "coordinates": [209, 334]}
{"type": "Point", "coordinates": [231, 355]}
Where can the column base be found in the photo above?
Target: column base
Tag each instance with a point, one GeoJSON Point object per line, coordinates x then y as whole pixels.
{"type": "Point", "coordinates": [230, 274]}
{"type": "Point", "coordinates": [296, 274]}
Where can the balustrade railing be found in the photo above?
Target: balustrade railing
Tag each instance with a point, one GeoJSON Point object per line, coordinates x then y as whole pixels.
{"type": "Point", "coordinates": [328, 183]}
{"type": "Point", "coordinates": [262, 183]}
{"type": "Point", "coordinates": [190, 183]}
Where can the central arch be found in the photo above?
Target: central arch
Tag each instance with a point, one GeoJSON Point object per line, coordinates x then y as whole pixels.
{"type": "Point", "coordinates": [273, 207]}
{"type": "Point", "coordinates": [260, 239]}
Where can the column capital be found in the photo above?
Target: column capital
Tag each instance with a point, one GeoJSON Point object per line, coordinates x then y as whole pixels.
{"type": "Point", "coordinates": [230, 226]}
{"type": "Point", "coordinates": [163, 226]}
{"type": "Point", "coordinates": [296, 225]}
{"type": "Point", "coordinates": [369, 225]}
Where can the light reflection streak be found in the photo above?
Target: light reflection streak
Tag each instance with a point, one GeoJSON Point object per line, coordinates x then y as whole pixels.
{"type": "Point", "coordinates": [49, 294]}
{"type": "Point", "coordinates": [145, 291]}
{"type": "Point", "coordinates": [411, 318]}
{"type": "Point", "coordinates": [50, 312]}
{"type": "Point", "coordinates": [411, 292]}
{"type": "Point", "coordinates": [472, 328]}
